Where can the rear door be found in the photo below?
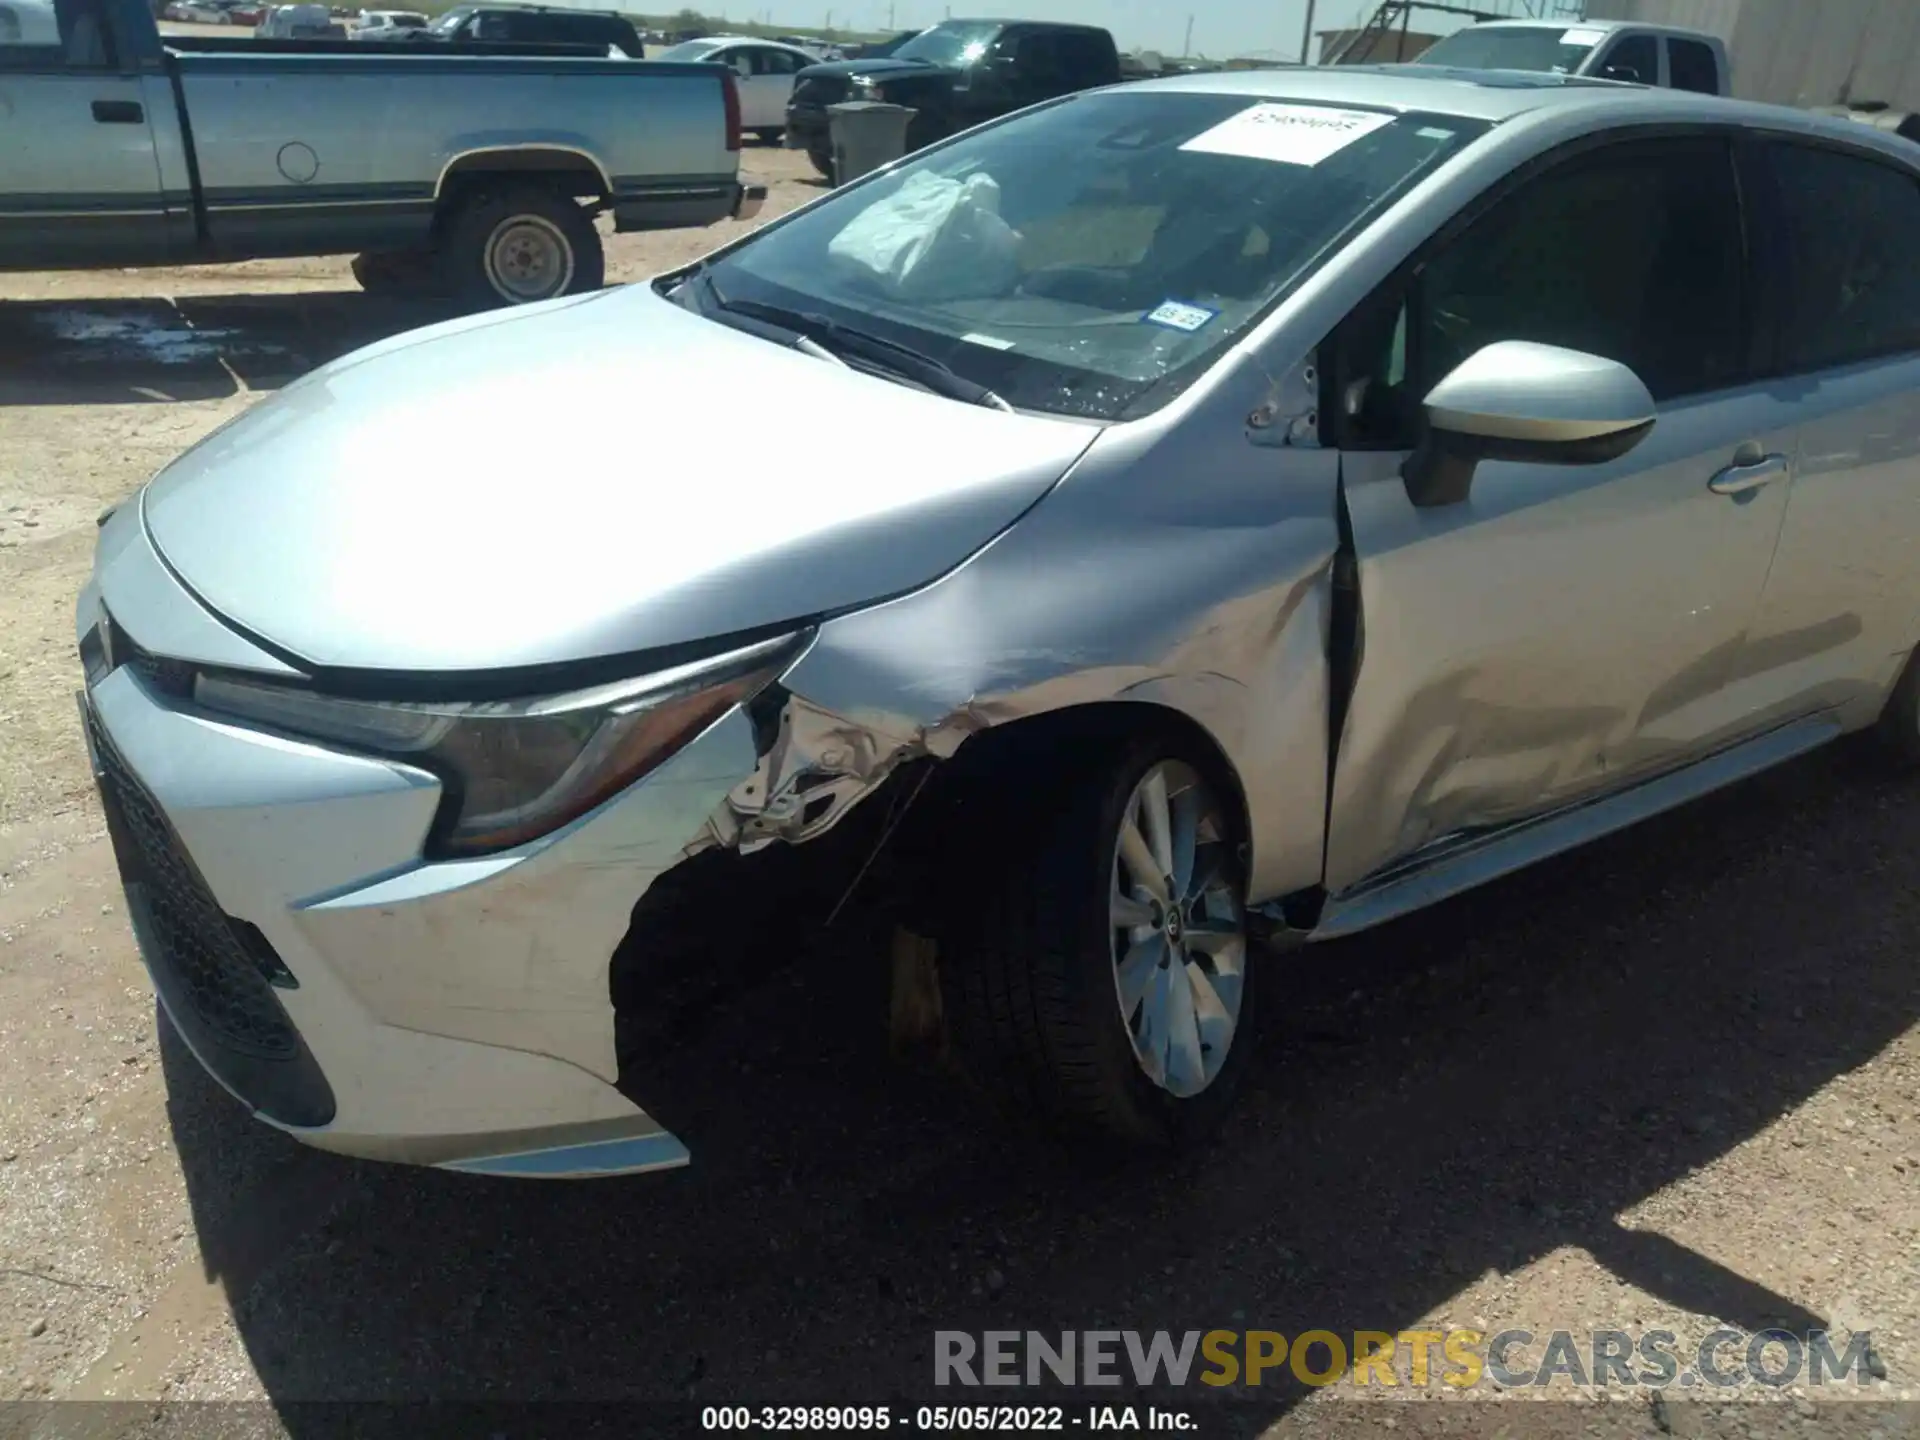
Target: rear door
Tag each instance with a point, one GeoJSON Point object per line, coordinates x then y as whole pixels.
{"type": "Point", "coordinates": [1694, 65]}
{"type": "Point", "coordinates": [1564, 630]}
{"type": "Point", "coordinates": [79, 177]}
{"type": "Point", "coordinates": [1842, 606]}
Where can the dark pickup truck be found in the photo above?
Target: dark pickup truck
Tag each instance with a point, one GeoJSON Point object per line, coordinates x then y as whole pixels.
{"type": "Point", "coordinates": [956, 75]}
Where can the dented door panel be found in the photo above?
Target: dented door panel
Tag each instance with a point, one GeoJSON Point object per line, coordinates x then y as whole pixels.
{"type": "Point", "coordinates": [1563, 632]}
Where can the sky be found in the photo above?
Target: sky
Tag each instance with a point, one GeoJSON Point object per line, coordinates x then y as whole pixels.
{"type": "Point", "coordinates": [1221, 28]}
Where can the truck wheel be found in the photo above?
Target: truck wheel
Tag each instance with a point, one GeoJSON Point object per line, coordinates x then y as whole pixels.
{"type": "Point", "coordinates": [770, 137]}
{"type": "Point", "coordinates": [1099, 980]}
{"type": "Point", "coordinates": [519, 246]}
{"type": "Point", "coordinates": [922, 131]}
{"type": "Point", "coordinates": [821, 154]}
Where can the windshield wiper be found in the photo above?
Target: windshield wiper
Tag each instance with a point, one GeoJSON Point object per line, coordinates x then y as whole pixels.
{"type": "Point", "coordinates": [818, 333]}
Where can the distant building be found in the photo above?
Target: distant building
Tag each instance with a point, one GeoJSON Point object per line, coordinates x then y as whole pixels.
{"type": "Point", "coordinates": [1380, 47]}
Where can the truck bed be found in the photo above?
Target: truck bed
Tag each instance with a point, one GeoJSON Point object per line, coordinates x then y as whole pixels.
{"type": "Point", "coordinates": [210, 148]}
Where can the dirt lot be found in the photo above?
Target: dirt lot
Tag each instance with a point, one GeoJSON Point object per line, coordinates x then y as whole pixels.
{"type": "Point", "coordinates": [1670, 1083]}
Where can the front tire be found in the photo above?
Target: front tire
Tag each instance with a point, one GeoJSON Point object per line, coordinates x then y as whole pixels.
{"type": "Point", "coordinates": [1102, 985]}
{"type": "Point", "coordinates": [821, 154]}
{"type": "Point", "coordinates": [770, 137]}
{"type": "Point", "coordinates": [1898, 733]}
{"type": "Point", "coordinates": [519, 246]}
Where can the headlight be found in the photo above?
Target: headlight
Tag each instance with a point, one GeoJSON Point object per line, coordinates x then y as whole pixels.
{"type": "Point", "coordinates": [516, 769]}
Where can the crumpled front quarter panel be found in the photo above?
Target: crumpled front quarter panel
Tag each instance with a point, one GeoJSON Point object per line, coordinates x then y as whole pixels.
{"type": "Point", "coordinates": [1179, 564]}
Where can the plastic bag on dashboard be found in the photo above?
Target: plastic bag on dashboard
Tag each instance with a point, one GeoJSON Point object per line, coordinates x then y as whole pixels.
{"type": "Point", "coordinates": [934, 238]}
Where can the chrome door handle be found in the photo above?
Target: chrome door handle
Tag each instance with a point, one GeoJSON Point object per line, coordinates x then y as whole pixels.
{"type": "Point", "coordinates": [1739, 479]}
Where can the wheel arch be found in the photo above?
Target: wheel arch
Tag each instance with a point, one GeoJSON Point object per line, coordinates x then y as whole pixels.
{"type": "Point", "coordinates": [564, 166]}
{"type": "Point", "coordinates": [1036, 739]}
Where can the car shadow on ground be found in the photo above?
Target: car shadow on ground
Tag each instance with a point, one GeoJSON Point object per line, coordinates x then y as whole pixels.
{"type": "Point", "coordinates": [1471, 1089]}
{"type": "Point", "coordinates": [203, 347]}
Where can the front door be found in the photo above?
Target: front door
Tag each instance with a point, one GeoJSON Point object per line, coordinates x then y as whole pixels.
{"type": "Point", "coordinates": [1563, 630]}
{"type": "Point", "coordinates": [764, 98]}
{"type": "Point", "coordinates": [79, 179]}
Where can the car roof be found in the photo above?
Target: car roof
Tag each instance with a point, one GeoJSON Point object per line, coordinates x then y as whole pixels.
{"type": "Point", "coordinates": [1498, 96]}
{"type": "Point", "coordinates": [1023, 24]}
{"type": "Point", "coordinates": [547, 10]}
{"type": "Point", "coordinates": [722, 41]}
{"type": "Point", "coordinates": [1597, 27]}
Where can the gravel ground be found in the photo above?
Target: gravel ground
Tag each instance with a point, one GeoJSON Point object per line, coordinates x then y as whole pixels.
{"type": "Point", "coordinates": [1669, 1083]}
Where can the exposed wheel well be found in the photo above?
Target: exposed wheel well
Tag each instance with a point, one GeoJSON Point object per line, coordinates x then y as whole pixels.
{"type": "Point", "coordinates": [1011, 748]}
{"type": "Point", "coordinates": [907, 852]}
{"type": "Point", "coordinates": [566, 172]}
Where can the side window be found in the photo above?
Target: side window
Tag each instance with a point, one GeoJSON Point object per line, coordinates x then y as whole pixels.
{"type": "Point", "coordinates": [1634, 58]}
{"type": "Point", "coordinates": [1633, 253]}
{"type": "Point", "coordinates": [1041, 60]}
{"type": "Point", "coordinates": [1847, 241]}
{"type": "Point", "coordinates": [1692, 65]}
{"type": "Point", "coordinates": [738, 61]}
{"type": "Point", "coordinates": [774, 62]}
{"type": "Point", "coordinates": [40, 35]}
{"type": "Point", "coordinates": [491, 27]}
{"type": "Point", "coordinates": [1084, 59]}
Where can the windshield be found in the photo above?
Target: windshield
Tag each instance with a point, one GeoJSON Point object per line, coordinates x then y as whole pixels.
{"type": "Point", "coordinates": [691, 50]}
{"type": "Point", "coordinates": [953, 44]}
{"type": "Point", "coordinates": [1542, 48]}
{"type": "Point", "coordinates": [1092, 258]}
{"type": "Point", "coordinates": [450, 21]}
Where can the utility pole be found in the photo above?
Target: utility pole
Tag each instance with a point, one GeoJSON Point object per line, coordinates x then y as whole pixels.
{"type": "Point", "coordinates": [1187, 48]}
{"type": "Point", "coordinates": [1306, 37]}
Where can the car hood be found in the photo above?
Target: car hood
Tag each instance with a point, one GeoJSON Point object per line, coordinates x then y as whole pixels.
{"type": "Point", "coordinates": [595, 476]}
{"type": "Point", "coordinates": [847, 69]}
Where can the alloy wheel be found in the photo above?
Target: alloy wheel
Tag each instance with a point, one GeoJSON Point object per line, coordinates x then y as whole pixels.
{"type": "Point", "coordinates": [1179, 930]}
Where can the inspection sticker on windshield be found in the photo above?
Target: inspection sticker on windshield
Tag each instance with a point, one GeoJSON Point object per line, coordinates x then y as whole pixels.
{"type": "Point", "coordinates": [1179, 315]}
{"type": "Point", "coordinates": [1579, 36]}
{"type": "Point", "coordinates": [1288, 134]}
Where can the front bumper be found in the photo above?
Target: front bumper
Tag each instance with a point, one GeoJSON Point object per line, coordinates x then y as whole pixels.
{"type": "Point", "coordinates": [808, 127]}
{"type": "Point", "coordinates": [455, 1014]}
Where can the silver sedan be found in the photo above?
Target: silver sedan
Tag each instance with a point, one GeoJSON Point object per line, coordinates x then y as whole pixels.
{"type": "Point", "coordinates": [1108, 549]}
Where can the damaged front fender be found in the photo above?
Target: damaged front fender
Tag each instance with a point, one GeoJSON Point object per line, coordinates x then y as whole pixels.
{"type": "Point", "coordinates": [1184, 565]}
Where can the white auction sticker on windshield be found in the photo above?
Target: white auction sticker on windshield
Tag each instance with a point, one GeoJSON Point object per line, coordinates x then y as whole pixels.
{"type": "Point", "coordinates": [1181, 315]}
{"type": "Point", "coordinates": [1288, 134]}
{"type": "Point", "coordinates": [1579, 36]}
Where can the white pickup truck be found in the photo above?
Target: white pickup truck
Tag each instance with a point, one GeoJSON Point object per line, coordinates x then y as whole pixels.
{"type": "Point", "coordinates": [1662, 55]}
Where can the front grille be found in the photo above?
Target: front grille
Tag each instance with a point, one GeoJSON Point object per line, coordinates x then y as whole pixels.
{"type": "Point", "coordinates": [169, 677]}
{"type": "Point", "coordinates": [201, 955]}
{"type": "Point", "coordinates": [820, 91]}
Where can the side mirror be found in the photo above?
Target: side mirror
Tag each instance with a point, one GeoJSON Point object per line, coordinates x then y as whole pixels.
{"type": "Point", "coordinates": [1535, 404]}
